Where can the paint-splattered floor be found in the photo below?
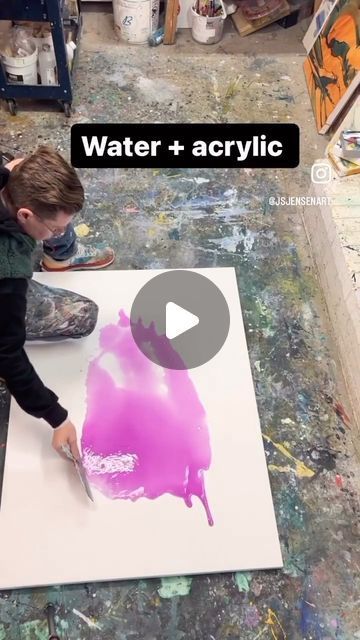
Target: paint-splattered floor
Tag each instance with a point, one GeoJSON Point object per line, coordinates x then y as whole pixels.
{"type": "Point", "coordinates": [214, 218]}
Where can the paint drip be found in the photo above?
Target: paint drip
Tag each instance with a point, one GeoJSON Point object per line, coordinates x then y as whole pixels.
{"type": "Point", "coordinates": [146, 434]}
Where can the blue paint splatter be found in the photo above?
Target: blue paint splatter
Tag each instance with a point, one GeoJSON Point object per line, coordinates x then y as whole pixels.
{"type": "Point", "coordinates": [174, 234]}
{"type": "Point", "coordinates": [311, 623]}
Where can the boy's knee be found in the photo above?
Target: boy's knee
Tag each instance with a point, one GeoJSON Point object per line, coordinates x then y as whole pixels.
{"type": "Point", "coordinates": [58, 314]}
{"type": "Point", "coordinates": [89, 319]}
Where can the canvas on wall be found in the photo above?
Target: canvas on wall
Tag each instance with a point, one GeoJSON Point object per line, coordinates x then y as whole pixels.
{"type": "Point", "coordinates": [332, 68]}
{"type": "Point", "coordinates": [175, 458]}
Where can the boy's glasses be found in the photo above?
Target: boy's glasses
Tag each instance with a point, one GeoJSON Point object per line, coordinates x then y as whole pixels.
{"type": "Point", "coordinates": [55, 231]}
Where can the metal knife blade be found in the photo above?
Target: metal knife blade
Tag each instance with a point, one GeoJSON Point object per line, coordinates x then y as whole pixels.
{"type": "Point", "coordinates": [80, 471]}
{"type": "Point", "coordinates": [83, 477]}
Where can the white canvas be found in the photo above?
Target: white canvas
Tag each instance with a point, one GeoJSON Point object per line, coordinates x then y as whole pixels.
{"type": "Point", "coordinates": [317, 23]}
{"type": "Point", "coordinates": [50, 533]}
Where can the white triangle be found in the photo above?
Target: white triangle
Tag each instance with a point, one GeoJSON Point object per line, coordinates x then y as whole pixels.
{"type": "Point", "coordinates": [178, 320]}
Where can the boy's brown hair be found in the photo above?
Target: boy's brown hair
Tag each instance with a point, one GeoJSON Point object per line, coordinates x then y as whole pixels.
{"type": "Point", "coordinates": [46, 184]}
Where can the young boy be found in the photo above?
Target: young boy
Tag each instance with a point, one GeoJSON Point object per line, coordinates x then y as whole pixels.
{"type": "Point", "coordinates": [39, 197]}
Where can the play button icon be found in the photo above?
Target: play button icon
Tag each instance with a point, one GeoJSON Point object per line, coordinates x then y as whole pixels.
{"type": "Point", "coordinates": [180, 319]}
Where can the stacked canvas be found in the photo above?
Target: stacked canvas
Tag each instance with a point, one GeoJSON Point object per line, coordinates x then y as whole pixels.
{"type": "Point", "coordinates": [332, 67]}
{"type": "Point", "coordinates": [317, 22]}
{"type": "Point", "coordinates": [347, 139]}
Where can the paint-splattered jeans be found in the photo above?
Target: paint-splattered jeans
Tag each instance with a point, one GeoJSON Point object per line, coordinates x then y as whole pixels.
{"type": "Point", "coordinates": [61, 247]}
{"type": "Point", "coordinates": [56, 314]}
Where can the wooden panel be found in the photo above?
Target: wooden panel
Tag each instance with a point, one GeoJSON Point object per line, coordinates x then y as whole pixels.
{"type": "Point", "coordinates": [172, 9]}
{"type": "Point", "coordinates": [245, 26]}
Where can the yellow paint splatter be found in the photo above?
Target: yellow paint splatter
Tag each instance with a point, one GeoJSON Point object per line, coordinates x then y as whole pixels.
{"type": "Point", "coordinates": [302, 471]}
{"type": "Point", "coordinates": [161, 218]}
{"type": "Point", "coordinates": [82, 230]}
{"type": "Point", "coordinates": [275, 626]}
{"type": "Point", "coordinates": [232, 88]}
{"type": "Point", "coordinates": [274, 467]}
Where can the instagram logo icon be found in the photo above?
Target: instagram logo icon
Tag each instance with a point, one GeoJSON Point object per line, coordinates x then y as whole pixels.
{"type": "Point", "coordinates": [320, 173]}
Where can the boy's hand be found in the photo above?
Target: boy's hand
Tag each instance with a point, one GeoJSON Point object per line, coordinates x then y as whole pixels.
{"type": "Point", "coordinates": [66, 436]}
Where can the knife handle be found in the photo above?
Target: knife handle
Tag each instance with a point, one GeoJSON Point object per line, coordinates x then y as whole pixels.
{"type": "Point", "coordinates": [50, 615]}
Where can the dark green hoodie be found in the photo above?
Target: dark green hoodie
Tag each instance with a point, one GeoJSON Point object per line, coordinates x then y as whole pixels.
{"type": "Point", "coordinates": [16, 248]}
{"type": "Point", "coordinates": [15, 368]}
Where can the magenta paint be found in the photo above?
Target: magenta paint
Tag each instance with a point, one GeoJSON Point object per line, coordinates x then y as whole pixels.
{"type": "Point", "coordinates": [147, 436]}
{"type": "Point", "coordinates": [252, 617]}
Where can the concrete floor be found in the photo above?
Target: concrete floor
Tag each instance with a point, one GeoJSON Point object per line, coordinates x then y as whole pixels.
{"type": "Point", "coordinates": [334, 236]}
{"type": "Point", "coordinates": [164, 218]}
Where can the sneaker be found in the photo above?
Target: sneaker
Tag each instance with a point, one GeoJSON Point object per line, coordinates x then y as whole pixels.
{"type": "Point", "coordinates": [86, 257]}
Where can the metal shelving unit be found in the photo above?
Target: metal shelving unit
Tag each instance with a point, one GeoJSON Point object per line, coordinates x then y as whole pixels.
{"type": "Point", "coordinates": [54, 12]}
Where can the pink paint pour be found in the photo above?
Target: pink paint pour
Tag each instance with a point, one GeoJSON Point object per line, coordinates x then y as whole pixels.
{"type": "Point", "coordinates": [146, 435]}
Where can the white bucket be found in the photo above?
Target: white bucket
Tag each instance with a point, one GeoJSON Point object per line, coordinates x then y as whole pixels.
{"type": "Point", "coordinates": [207, 30]}
{"type": "Point", "coordinates": [135, 20]}
{"type": "Point", "coordinates": [21, 70]}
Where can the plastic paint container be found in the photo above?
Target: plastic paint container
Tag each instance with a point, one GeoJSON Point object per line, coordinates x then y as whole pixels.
{"type": "Point", "coordinates": [21, 70]}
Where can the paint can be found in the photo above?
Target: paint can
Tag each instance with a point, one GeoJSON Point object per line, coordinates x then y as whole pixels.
{"type": "Point", "coordinates": [207, 30]}
{"type": "Point", "coordinates": [21, 70]}
{"type": "Point", "coordinates": [136, 20]}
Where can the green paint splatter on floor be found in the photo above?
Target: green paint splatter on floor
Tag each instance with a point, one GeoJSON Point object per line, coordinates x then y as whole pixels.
{"type": "Point", "coordinates": [34, 630]}
{"type": "Point", "coordinates": [64, 625]}
{"type": "Point", "coordinates": [294, 565]}
{"type": "Point", "coordinates": [2, 633]}
{"type": "Point", "coordinates": [243, 580]}
{"type": "Point", "coordinates": [171, 587]}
